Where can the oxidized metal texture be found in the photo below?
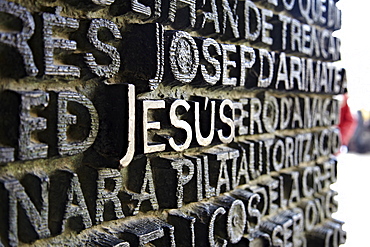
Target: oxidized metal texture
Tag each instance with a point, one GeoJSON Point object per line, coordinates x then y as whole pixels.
{"type": "Point", "coordinates": [169, 123]}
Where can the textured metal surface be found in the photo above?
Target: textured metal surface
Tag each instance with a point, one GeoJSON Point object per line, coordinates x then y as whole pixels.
{"type": "Point", "coordinates": [169, 123]}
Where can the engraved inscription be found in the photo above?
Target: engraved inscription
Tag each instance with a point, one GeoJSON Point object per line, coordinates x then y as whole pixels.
{"type": "Point", "coordinates": [169, 123]}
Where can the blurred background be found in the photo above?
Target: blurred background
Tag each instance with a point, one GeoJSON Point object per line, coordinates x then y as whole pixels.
{"type": "Point", "coordinates": [353, 183]}
{"type": "Point", "coordinates": [355, 50]}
